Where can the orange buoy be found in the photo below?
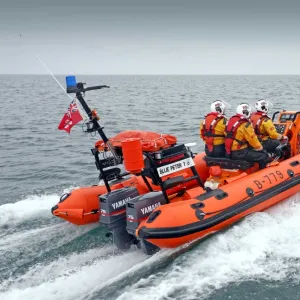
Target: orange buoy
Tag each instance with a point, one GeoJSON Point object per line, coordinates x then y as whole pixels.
{"type": "Point", "coordinates": [133, 155]}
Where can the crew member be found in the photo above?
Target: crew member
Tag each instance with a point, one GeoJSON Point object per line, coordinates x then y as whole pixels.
{"type": "Point", "coordinates": [212, 130]}
{"type": "Point", "coordinates": [241, 142]}
{"type": "Point", "coordinates": [264, 127]}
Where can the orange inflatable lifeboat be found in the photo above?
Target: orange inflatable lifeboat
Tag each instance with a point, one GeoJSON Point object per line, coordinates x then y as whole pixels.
{"type": "Point", "coordinates": [230, 191]}
{"type": "Point", "coordinates": [169, 196]}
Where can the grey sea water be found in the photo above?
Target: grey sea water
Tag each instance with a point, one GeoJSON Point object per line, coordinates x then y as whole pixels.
{"type": "Point", "coordinates": [42, 257]}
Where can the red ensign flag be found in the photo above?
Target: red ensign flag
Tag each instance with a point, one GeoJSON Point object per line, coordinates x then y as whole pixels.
{"type": "Point", "coordinates": [71, 117]}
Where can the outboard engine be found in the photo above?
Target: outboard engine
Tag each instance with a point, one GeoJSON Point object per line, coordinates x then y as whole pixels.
{"type": "Point", "coordinates": [138, 209]}
{"type": "Point", "coordinates": [113, 215]}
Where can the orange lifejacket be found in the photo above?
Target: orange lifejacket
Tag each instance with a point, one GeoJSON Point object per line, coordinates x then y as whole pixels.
{"type": "Point", "coordinates": [256, 119]}
{"type": "Point", "coordinates": [208, 129]}
{"type": "Point", "coordinates": [231, 129]}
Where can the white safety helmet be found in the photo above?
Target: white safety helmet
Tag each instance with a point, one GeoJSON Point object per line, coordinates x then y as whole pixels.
{"type": "Point", "coordinates": [244, 109]}
{"type": "Point", "coordinates": [263, 105]}
{"type": "Point", "coordinates": [219, 106]}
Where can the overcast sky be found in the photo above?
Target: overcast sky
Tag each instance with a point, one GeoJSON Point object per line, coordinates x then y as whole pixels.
{"type": "Point", "coordinates": [150, 37]}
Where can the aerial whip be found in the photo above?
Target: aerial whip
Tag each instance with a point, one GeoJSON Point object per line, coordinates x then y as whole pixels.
{"type": "Point", "coordinates": [54, 77]}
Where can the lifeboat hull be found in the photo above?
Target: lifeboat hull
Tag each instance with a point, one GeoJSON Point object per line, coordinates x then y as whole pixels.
{"type": "Point", "coordinates": [201, 214]}
{"type": "Point", "coordinates": [81, 206]}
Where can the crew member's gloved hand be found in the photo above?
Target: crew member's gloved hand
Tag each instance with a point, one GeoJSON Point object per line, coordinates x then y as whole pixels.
{"type": "Point", "coordinates": [258, 149]}
{"type": "Point", "coordinates": [278, 152]}
{"type": "Point", "coordinates": [284, 138]}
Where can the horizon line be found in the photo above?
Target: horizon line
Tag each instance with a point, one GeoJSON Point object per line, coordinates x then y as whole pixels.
{"type": "Point", "coordinates": [84, 74]}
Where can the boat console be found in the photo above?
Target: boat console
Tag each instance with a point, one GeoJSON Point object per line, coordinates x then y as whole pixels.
{"type": "Point", "coordinates": [285, 121]}
{"type": "Point", "coordinates": [288, 124]}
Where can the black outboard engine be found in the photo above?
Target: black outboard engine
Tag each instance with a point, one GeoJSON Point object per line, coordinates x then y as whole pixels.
{"type": "Point", "coordinates": [113, 215]}
{"type": "Point", "coordinates": [139, 209]}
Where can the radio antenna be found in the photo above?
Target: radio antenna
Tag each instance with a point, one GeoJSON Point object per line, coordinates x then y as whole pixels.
{"type": "Point", "coordinates": [53, 77]}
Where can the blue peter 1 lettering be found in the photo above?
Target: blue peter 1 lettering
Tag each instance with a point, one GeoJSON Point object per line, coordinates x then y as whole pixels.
{"type": "Point", "coordinates": [164, 170]}
{"type": "Point", "coordinates": [175, 167]}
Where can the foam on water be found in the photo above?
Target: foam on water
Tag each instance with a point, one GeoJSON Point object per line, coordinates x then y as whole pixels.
{"type": "Point", "coordinates": [68, 279]}
{"type": "Point", "coordinates": [55, 234]}
{"type": "Point", "coordinates": [62, 266]}
{"type": "Point", "coordinates": [107, 290]}
{"type": "Point", "coordinates": [34, 206]}
{"type": "Point", "coordinates": [264, 246]}
{"type": "Point", "coordinates": [21, 247]}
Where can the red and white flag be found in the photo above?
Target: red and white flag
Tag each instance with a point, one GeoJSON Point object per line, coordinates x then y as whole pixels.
{"type": "Point", "coordinates": [71, 117]}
